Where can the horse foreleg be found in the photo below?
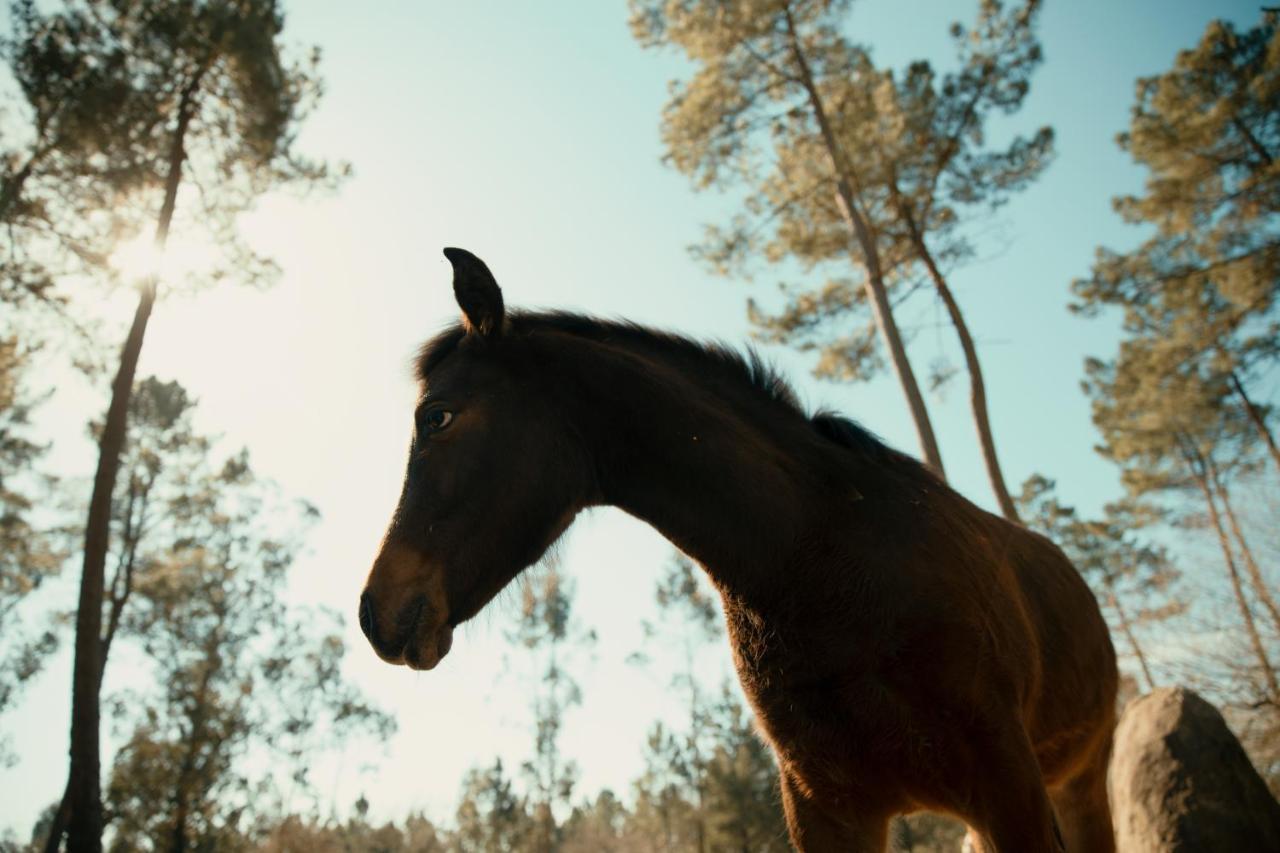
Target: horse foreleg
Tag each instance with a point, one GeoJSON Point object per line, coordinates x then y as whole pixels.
{"type": "Point", "coordinates": [1083, 810]}
{"type": "Point", "coordinates": [815, 830]}
{"type": "Point", "coordinates": [1010, 811]}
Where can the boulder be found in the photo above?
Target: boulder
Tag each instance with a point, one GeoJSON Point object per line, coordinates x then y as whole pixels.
{"type": "Point", "coordinates": [1180, 781]}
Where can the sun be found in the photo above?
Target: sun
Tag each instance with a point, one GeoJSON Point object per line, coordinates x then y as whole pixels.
{"type": "Point", "coordinates": [139, 259]}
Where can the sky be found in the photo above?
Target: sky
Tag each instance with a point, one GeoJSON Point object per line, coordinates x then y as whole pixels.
{"type": "Point", "coordinates": [528, 133]}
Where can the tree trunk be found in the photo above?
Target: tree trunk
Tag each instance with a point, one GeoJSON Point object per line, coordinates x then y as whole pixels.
{"type": "Point", "coordinates": [84, 818]}
{"type": "Point", "coordinates": [1255, 573]}
{"type": "Point", "coordinates": [58, 826]}
{"type": "Point", "coordinates": [1255, 639]}
{"type": "Point", "coordinates": [977, 387]}
{"type": "Point", "coordinates": [1126, 628]}
{"type": "Point", "coordinates": [11, 188]}
{"type": "Point", "coordinates": [1255, 417]}
{"type": "Point", "coordinates": [862, 235]}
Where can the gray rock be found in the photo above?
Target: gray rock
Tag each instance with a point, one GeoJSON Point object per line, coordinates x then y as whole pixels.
{"type": "Point", "coordinates": [1180, 781]}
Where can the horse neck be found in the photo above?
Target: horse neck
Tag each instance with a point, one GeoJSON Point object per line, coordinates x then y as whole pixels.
{"type": "Point", "coordinates": [719, 471]}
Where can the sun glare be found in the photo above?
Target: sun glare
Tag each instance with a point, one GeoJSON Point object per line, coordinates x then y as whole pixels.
{"type": "Point", "coordinates": [140, 259]}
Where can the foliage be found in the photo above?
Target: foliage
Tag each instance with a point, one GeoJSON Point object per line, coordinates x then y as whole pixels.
{"type": "Point", "coordinates": [295, 834]}
{"type": "Point", "coordinates": [491, 816]}
{"type": "Point", "coordinates": [125, 100]}
{"type": "Point", "coordinates": [202, 557]}
{"type": "Point", "coordinates": [842, 160]}
{"type": "Point", "coordinates": [917, 142]}
{"type": "Point", "coordinates": [1198, 297]}
{"type": "Point", "coordinates": [767, 110]}
{"type": "Point", "coordinates": [1176, 406]}
{"type": "Point", "coordinates": [546, 627]}
{"type": "Point", "coordinates": [106, 89]}
{"type": "Point", "coordinates": [29, 550]}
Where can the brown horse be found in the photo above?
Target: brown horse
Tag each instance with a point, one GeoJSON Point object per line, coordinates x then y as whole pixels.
{"type": "Point", "coordinates": [902, 648]}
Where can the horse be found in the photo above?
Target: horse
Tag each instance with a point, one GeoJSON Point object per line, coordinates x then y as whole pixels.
{"type": "Point", "coordinates": [902, 649]}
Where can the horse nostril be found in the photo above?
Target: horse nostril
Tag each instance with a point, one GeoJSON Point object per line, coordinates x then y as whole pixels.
{"type": "Point", "coordinates": [366, 615]}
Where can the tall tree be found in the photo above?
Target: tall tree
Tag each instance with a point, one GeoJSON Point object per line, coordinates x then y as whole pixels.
{"type": "Point", "coordinates": [1179, 406]}
{"type": "Point", "coordinates": [919, 142]}
{"type": "Point", "coordinates": [547, 628]}
{"type": "Point", "coordinates": [690, 620]}
{"type": "Point", "coordinates": [938, 167]}
{"type": "Point", "coordinates": [763, 108]}
{"type": "Point", "coordinates": [1207, 134]}
{"type": "Point", "coordinates": [202, 562]}
{"type": "Point", "coordinates": [1171, 431]}
{"type": "Point", "coordinates": [195, 86]}
{"type": "Point", "coordinates": [199, 558]}
{"type": "Point", "coordinates": [741, 800]}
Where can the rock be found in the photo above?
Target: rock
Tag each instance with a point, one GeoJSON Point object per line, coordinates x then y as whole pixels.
{"type": "Point", "coordinates": [1181, 782]}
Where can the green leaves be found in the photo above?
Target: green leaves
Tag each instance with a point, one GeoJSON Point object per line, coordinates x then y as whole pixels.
{"type": "Point", "coordinates": [202, 551]}
{"type": "Point", "coordinates": [1198, 298]}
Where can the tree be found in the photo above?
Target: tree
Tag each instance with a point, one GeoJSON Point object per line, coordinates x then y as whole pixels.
{"type": "Point", "coordinates": [690, 620]}
{"type": "Point", "coordinates": [199, 562]}
{"type": "Point", "coordinates": [1206, 132]}
{"type": "Point", "coordinates": [292, 834]}
{"type": "Point", "coordinates": [742, 803]}
{"type": "Point", "coordinates": [710, 784]}
{"type": "Point", "coordinates": [196, 86]}
{"type": "Point", "coordinates": [29, 552]}
{"type": "Point", "coordinates": [598, 826]}
{"type": "Point", "coordinates": [940, 167]}
{"type": "Point", "coordinates": [1178, 405]}
{"type": "Point", "coordinates": [763, 108]}
{"type": "Point", "coordinates": [202, 569]}
{"type": "Point", "coordinates": [919, 144]}
{"type": "Point", "coordinates": [1168, 427]}
{"type": "Point", "coordinates": [491, 818]}
{"type": "Point", "coordinates": [546, 627]}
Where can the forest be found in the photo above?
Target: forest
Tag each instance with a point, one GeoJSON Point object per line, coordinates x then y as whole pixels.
{"type": "Point", "coordinates": [150, 554]}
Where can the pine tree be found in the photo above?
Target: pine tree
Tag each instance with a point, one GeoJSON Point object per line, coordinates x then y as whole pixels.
{"type": "Point", "coordinates": [547, 628]}
{"type": "Point", "coordinates": [199, 570]}
{"type": "Point", "coordinates": [764, 109]}
{"type": "Point", "coordinates": [918, 140]}
{"type": "Point", "coordinates": [128, 100]}
{"type": "Point", "coordinates": [1206, 132]}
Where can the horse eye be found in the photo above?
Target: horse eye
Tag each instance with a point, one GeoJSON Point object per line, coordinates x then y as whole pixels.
{"type": "Point", "coordinates": [437, 419]}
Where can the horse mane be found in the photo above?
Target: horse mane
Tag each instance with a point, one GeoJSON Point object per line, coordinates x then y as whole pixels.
{"type": "Point", "coordinates": [747, 369]}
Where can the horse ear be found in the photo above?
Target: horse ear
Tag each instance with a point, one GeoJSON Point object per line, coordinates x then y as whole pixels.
{"type": "Point", "coordinates": [477, 293]}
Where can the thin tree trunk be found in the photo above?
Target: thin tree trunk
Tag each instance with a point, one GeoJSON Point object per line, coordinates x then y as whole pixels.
{"type": "Point", "coordinates": [58, 826]}
{"type": "Point", "coordinates": [1255, 573]}
{"type": "Point", "coordinates": [1255, 639]}
{"type": "Point", "coordinates": [1126, 628]}
{"type": "Point", "coordinates": [977, 387]}
{"type": "Point", "coordinates": [862, 234]}
{"type": "Point", "coordinates": [84, 817]}
{"type": "Point", "coordinates": [1255, 417]}
{"type": "Point", "coordinates": [12, 186]}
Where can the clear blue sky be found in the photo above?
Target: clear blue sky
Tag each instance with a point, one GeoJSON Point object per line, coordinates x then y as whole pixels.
{"type": "Point", "coordinates": [529, 134]}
